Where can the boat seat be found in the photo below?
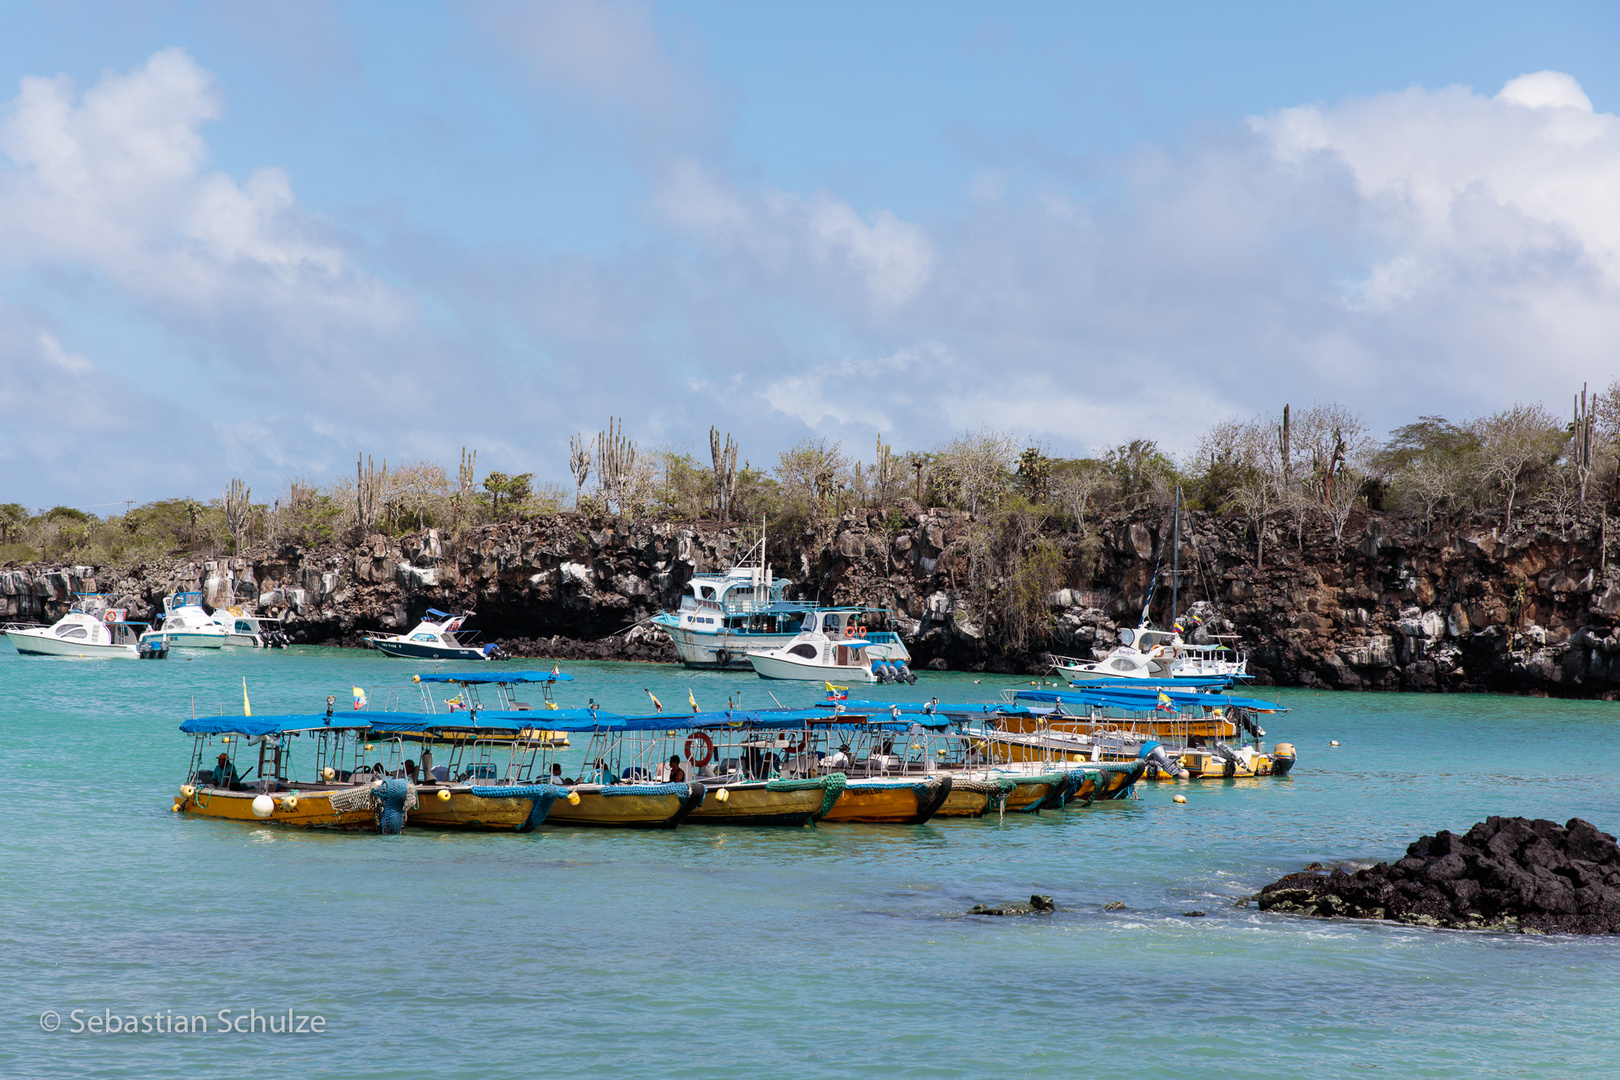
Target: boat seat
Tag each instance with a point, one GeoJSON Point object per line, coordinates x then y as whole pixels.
{"type": "Point", "coordinates": [634, 773]}
{"type": "Point", "coordinates": [441, 773]}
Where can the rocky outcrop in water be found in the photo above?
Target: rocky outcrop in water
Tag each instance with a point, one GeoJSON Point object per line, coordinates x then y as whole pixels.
{"type": "Point", "coordinates": [1392, 607]}
{"type": "Point", "coordinates": [1502, 874]}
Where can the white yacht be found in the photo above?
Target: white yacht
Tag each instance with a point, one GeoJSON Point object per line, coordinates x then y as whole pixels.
{"type": "Point", "coordinates": [253, 631]}
{"type": "Point", "coordinates": [722, 617]}
{"type": "Point", "coordinates": [835, 647]}
{"type": "Point", "coordinates": [1160, 655]}
{"type": "Point", "coordinates": [434, 638]}
{"type": "Point", "coordinates": [90, 628]}
{"type": "Point", "coordinates": [185, 625]}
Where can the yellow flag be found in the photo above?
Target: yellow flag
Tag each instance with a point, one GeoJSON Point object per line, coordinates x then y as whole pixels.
{"type": "Point", "coordinates": [247, 710]}
{"type": "Point", "coordinates": [690, 700]}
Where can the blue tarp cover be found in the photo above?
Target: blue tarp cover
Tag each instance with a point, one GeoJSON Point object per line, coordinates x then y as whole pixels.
{"type": "Point", "coordinates": [1134, 698]}
{"type": "Point", "coordinates": [270, 725]}
{"type": "Point", "coordinates": [922, 708]}
{"type": "Point", "coordinates": [482, 677]}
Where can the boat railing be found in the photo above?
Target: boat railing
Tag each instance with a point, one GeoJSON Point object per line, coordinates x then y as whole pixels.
{"type": "Point", "coordinates": [763, 607]}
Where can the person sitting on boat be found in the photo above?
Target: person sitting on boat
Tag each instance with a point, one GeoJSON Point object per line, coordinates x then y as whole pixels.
{"type": "Point", "coordinates": [838, 760]}
{"type": "Point", "coordinates": [409, 771]}
{"type": "Point", "coordinates": [225, 774]}
{"type": "Point", "coordinates": [556, 776]}
{"type": "Point", "coordinates": [677, 775]}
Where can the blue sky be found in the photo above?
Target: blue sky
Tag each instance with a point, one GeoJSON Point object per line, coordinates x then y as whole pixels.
{"type": "Point", "coordinates": [255, 239]}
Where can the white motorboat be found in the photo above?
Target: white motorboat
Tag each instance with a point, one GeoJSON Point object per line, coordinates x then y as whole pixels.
{"type": "Point", "coordinates": [835, 647]}
{"type": "Point", "coordinates": [253, 631]}
{"type": "Point", "coordinates": [1160, 655]}
{"type": "Point", "coordinates": [434, 638]}
{"type": "Point", "coordinates": [90, 628]}
{"type": "Point", "coordinates": [186, 625]}
{"type": "Point", "coordinates": [722, 617]}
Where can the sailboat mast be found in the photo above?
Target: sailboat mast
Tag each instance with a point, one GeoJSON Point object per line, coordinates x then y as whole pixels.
{"type": "Point", "coordinates": [1175, 560]}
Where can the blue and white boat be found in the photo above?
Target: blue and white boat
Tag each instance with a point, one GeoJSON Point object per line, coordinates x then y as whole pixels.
{"type": "Point", "coordinates": [185, 624]}
{"type": "Point", "coordinates": [722, 617]}
{"type": "Point", "coordinates": [435, 638]}
{"type": "Point", "coordinates": [90, 628]}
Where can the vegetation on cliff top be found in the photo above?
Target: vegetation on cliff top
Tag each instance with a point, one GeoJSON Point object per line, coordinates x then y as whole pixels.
{"type": "Point", "coordinates": [1280, 473]}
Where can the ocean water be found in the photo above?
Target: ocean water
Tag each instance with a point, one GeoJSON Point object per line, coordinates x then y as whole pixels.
{"type": "Point", "coordinates": [831, 951]}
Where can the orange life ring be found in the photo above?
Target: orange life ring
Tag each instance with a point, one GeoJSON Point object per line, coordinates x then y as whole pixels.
{"type": "Point", "coordinates": [1158, 650]}
{"type": "Point", "coordinates": [790, 748]}
{"type": "Point", "coordinates": [111, 615]}
{"type": "Point", "coordinates": [706, 743]}
{"type": "Point", "coordinates": [861, 631]}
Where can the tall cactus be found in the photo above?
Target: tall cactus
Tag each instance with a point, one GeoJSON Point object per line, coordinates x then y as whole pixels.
{"type": "Point", "coordinates": [725, 471]}
{"type": "Point", "coordinates": [579, 461]}
{"type": "Point", "coordinates": [883, 471]}
{"type": "Point", "coordinates": [615, 463]}
{"type": "Point", "coordinates": [237, 505]}
{"type": "Point", "coordinates": [368, 492]}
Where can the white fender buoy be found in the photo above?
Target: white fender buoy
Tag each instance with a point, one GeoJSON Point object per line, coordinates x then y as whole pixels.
{"type": "Point", "coordinates": [263, 806]}
{"type": "Point", "coordinates": [328, 773]}
{"type": "Point", "coordinates": [290, 802]}
{"type": "Point", "coordinates": [187, 791]}
{"type": "Point", "coordinates": [1180, 799]}
{"type": "Point", "coordinates": [444, 794]}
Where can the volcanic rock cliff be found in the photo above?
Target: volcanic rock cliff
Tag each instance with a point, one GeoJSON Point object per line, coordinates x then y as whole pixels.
{"type": "Point", "coordinates": [1391, 607]}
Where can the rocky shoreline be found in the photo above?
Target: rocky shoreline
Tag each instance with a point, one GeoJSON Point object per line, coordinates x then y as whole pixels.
{"type": "Point", "coordinates": [1458, 608]}
{"type": "Point", "coordinates": [1505, 874]}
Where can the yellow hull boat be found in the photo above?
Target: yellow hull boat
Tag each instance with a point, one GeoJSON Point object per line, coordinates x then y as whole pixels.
{"type": "Point", "coordinates": [873, 800]}
{"type": "Point", "coordinates": [302, 809]}
{"type": "Point", "coordinates": [770, 802]}
{"type": "Point", "coordinates": [628, 806]}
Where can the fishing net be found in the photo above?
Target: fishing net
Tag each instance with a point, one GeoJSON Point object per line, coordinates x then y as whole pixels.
{"type": "Point", "coordinates": [540, 797]}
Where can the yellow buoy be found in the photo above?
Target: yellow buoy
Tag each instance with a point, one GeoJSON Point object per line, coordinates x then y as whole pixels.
{"type": "Point", "coordinates": [573, 798]}
{"type": "Point", "coordinates": [369, 746]}
{"type": "Point", "coordinates": [263, 806]}
{"type": "Point", "coordinates": [444, 794]}
{"type": "Point", "coordinates": [416, 678]}
{"type": "Point", "coordinates": [328, 772]}
{"type": "Point", "coordinates": [1180, 799]}
{"type": "Point", "coordinates": [722, 796]}
{"type": "Point", "coordinates": [187, 790]}
{"type": "Point", "coordinates": [1334, 742]}
{"type": "Point", "coordinates": [176, 806]}
{"type": "Point", "coordinates": [290, 802]}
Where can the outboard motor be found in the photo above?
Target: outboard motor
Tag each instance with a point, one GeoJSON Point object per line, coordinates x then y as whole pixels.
{"type": "Point", "coordinates": [1153, 753]}
{"type": "Point", "coordinates": [903, 673]}
{"type": "Point", "coordinates": [882, 672]}
{"type": "Point", "coordinates": [491, 651]}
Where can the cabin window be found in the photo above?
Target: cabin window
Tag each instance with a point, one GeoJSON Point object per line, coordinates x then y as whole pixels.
{"type": "Point", "coordinates": [423, 637]}
{"type": "Point", "coordinates": [74, 633]}
{"type": "Point", "coordinates": [243, 626]}
{"type": "Point", "coordinates": [1123, 665]}
{"type": "Point", "coordinates": [708, 593]}
{"type": "Point", "coordinates": [806, 651]}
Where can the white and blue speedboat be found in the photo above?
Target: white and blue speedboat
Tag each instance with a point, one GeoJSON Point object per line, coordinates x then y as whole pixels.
{"type": "Point", "coordinates": [184, 624]}
{"type": "Point", "coordinates": [90, 628]}
{"type": "Point", "coordinates": [435, 638]}
{"type": "Point", "coordinates": [722, 617]}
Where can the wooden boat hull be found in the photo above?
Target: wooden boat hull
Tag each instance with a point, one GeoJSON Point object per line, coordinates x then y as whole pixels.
{"type": "Point", "coordinates": [968, 798]}
{"type": "Point", "coordinates": [628, 806]}
{"type": "Point", "coordinates": [890, 802]}
{"type": "Point", "coordinates": [760, 804]}
{"type": "Point", "coordinates": [1105, 782]}
{"type": "Point", "coordinates": [470, 808]}
{"type": "Point", "coordinates": [313, 810]}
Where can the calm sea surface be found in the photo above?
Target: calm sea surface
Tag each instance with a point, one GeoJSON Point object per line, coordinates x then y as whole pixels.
{"type": "Point", "coordinates": [831, 951]}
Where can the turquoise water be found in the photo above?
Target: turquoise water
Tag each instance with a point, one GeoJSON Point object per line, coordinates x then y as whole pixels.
{"type": "Point", "coordinates": [831, 951]}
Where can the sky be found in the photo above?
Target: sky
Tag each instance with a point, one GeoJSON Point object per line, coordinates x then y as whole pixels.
{"type": "Point", "coordinates": [257, 239]}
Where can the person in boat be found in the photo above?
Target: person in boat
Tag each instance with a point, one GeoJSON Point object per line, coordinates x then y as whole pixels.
{"type": "Point", "coordinates": [224, 774]}
{"type": "Point", "coordinates": [409, 772]}
{"type": "Point", "coordinates": [677, 775]}
{"type": "Point", "coordinates": [556, 776]}
{"type": "Point", "coordinates": [838, 760]}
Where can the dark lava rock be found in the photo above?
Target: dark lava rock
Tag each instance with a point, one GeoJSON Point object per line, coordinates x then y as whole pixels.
{"type": "Point", "coordinates": [1114, 905]}
{"type": "Point", "coordinates": [1038, 905]}
{"type": "Point", "coordinates": [1535, 876]}
{"type": "Point", "coordinates": [1195, 914]}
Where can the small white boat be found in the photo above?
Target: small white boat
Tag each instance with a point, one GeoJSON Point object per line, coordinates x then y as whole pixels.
{"type": "Point", "coordinates": [90, 628]}
{"type": "Point", "coordinates": [834, 647]}
{"type": "Point", "coordinates": [185, 625]}
{"type": "Point", "coordinates": [253, 631]}
{"type": "Point", "coordinates": [1160, 655]}
{"type": "Point", "coordinates": [435, 638]}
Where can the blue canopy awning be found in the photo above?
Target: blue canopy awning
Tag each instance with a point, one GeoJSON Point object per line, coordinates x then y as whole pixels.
{"type": "Point", "coordinates": [483, 677]}
{"type": "Point", "coordinates": [1133, 698]}
{"type": "Point", "coordinates": [287, 722]}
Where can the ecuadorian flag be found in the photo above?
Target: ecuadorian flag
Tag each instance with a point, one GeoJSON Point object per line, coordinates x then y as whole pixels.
{"type": "Point", "coordinates": [359, 698]}
{"type": "Point", "coordinates": [1165, 704]}
{"type": "Point", "coordinates": [836, 693]}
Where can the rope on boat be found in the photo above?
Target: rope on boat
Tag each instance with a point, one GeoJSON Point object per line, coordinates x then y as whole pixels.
{"type": "Point", "coordinates": [647, 789]}
{"type": "Point", "coordinates": [831, 785]}
{"type": "Point", "coordinates": [395, 798]}
{"type": "Point", "coordinates": [540, 797]}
